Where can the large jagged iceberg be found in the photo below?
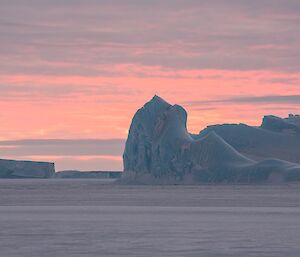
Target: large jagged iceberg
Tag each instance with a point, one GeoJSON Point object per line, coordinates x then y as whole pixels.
{"type": "Point", "coordinates": [159, 149]}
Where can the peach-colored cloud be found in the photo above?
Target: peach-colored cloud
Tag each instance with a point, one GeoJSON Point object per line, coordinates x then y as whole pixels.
{"type": "Point", "coordinates": [102, 107]}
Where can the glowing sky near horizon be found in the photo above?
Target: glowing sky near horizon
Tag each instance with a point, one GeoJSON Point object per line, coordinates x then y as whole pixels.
{"type": "Point", "coordinates": [78, 70]}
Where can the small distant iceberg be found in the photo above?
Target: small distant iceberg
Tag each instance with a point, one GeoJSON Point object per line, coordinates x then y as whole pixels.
{"type": "Point", "coordinates": [88, 174]}
{"type": "Point", "coordinates": [26, 169]}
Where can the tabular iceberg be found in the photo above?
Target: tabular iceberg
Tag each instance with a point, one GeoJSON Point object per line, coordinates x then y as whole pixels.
{"type": "Point", "coordinates": [26, 169]}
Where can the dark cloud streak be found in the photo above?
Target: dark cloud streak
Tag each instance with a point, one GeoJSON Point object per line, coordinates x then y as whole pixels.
{"type": "Point", "coordinates": [268, 99]}
{"type": "Point", "coordinates": [62, 147]}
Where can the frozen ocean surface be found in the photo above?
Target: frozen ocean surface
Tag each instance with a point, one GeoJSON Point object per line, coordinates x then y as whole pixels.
{"type": "Point", "coordinates": [41, 218]}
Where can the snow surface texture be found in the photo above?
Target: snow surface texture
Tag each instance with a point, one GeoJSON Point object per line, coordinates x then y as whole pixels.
{"type": "Point", "coordinates": [25, 169]}
{"type": "Point", "coordinates": [159, 149]}
{"type": "Point", "coordinates": [82, 218]}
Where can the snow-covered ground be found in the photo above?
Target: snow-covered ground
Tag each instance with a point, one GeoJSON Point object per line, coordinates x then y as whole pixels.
{"type": "Point", "coordinates": [41, 218]}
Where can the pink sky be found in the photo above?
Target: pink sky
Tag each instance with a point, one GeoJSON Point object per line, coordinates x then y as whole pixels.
{"type": "Point", "coordinates": [81, 71]}
{"type": "Point", "coordinates": [102, 107]}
